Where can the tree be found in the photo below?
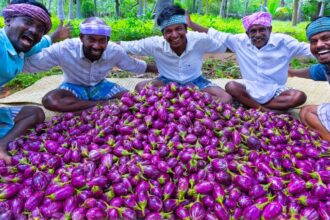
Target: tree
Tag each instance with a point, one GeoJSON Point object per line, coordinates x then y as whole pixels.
{"type": "Point", "coordinates": [200, 6]}
{"type": "Point", "coordinates": [321, 12]}
{"type": "Point", "coordinates": [140, 11]}
{"type": "Point", "coordinates": [78, 15]}
{"type": "Point", "coordinates": [299, 14]}
{"type": "Point", "coordinates": [49, 5]}
{"type": "Point", "coordinates": [71, 10]}
{"type": "Point", "coordinates": [246, 5]}
{"type": "Point", "coordinates": [295, 12]}
{"type": "Point", "coordinates": [194, 6]}
{"type": "Point", "coordinates": [60, 10]}
{"type": "Point", "coordinates": [95, 7]}
{"type": "Point", "coordinates": [223, 8]}
{"type": "Point", "coordinates": [117, 8]}
{"type": "Point", "coordinates": [145, 8]}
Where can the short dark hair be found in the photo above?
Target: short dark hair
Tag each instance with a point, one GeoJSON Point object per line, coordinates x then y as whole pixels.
{"type": "Point", "coordinates": [168, 12]}
{"type": "Point", "coordinates": [31, 2]}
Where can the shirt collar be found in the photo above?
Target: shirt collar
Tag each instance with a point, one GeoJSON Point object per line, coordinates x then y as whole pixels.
{"type": "Point", "coordinates": [9, 46]}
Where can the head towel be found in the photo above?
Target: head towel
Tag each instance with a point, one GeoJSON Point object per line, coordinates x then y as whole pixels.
{"type": "Point", "coordinates": [260, 18]}
{"type": "Point", "coordinates": [95, 28]}
{"type": "Point", "coordinates": [319, 25]}
{"type": "Point", "coordinates": [175, 19]}
{"type": "Point", "coordinates": [15, 10]}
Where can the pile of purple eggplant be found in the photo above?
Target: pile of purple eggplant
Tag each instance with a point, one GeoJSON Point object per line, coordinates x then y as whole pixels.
{"type": "Point", "coordinates": [167, 153]}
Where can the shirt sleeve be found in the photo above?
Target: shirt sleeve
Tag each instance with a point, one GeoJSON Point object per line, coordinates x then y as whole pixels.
{"type": "Point", "coordinates": [44, 60]}
{"type": "Point", "coordinates": [143, 47]}
{"type": "Point", "coordinates": [228, 40]}
{"type": "Point", "coordinates": [208, 44]}
{"type": "Point", "coordinates": [44, 42]}
{"type": "Point", "coordinates": [130, 64]}
{"type": "Point", "coordinates": [318, 72]}
{"type": "Point", "coordinates": [296, 48]}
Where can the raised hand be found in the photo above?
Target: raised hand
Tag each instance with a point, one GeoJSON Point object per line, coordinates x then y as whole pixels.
{"type": "Point", "coordinates": [62, 32]}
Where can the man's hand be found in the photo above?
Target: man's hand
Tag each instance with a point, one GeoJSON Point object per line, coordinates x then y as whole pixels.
{"type": "Point", "coordinates": [62, 32]}
{"type": "Point", "coordinates": [188, 19]}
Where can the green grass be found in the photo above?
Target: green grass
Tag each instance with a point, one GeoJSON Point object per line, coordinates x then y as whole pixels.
{"type": "Point", "coordinates": [24, 80]}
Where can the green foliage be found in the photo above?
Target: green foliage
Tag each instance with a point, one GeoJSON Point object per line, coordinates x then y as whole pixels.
{"type": "Point", "coordinates": [215, 68]}
{"type": "Point", "coordinates": [87, 8]}
{"type": "Point", "coordinates": [2, 22]}
{"type": "Point", "coordinates": [272, 6]}
{"type": "Point", "coordinates": [299, 63]}
{"type": "Point", "coordinates": [282, 13]}
{"type": "Point", "coordinates": [24, 80]}
{"type": "Point", "coordinates": [132, 29]}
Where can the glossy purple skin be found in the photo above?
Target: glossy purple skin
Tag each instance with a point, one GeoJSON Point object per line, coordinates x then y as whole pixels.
{"type": "Point", "coordinates": [62, 193]}
{"type": "Point", "coordinates": [221, 212]}
{"type": "Point", "coordinates": [197, 211]}
{"type": "Point", "coordinates": [40, 181]}
{"type": "Point", "coordinates": [252, 213]}
{"type": "Point", "coordinates": [182, 212]}
{"type": "Point", "coordinates": [17, 206]}
{"type": "Point", "coordinates": [95, 213]}
{"type": "Point", "coordinates": [272, 211]}
{"type": "Point", "coordinates": [218, 193]}
{"type": "Point", "coordinates": [310, 214]}
{"type": "Point", "coordinates": [204, 187]}
{"type": "Point", "coordinates": [168, 189]}
{"type": "Point", "coordinates": [257, 191]}
{"type": "Point", "coordinates": [50, 210]}
{"type": "Point", "coordinates": [155, 203]}
{"type": "Point", "coordinates": [70, 204]}
{"type": "Point", "coordinates": [9, 190]}
{"type": "Point", "coordinates": [34, 201]}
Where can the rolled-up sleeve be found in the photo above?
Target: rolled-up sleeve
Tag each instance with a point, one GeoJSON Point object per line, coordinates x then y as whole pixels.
{"type": "Point", "coordinates": [229, 40]}
{"type": "Point", "coordinates": [44, 60]}
{"type": "Point", "coordinates": [143, 47]}
{"type": "Point", "coordinates": [296, 48]}
{"type": "Point", "coordinates": [317, 72]}
{"type": "Point", "coordinates": [131, 64]}
{"type": "Point", "coordinates": [207, 43]}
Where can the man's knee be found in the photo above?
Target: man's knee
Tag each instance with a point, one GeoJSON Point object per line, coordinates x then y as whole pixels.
{"type": "Point", "coordinates": [299, 98]}
{"type": "Point", "coordinates": [233, 88]}
{"type": "Point", "coordinates": [226, 98]}
{"type": "Point", "coordinates": [140, 86]}
{"type": "Point", "coordinates": [34, 112]}
{"type": "Point", "coordinates": [49, 102]}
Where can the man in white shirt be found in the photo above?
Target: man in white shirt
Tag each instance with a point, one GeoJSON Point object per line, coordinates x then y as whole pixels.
{"type": "Point", "coordinates": [263, 59]}
{"type": "Point", "coordinates": [86, 63]}
{"type": "Point", "coordinates": [178, 54]}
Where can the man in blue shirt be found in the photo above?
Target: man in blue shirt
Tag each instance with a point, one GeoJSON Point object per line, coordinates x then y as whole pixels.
{"type": "Point", "coordinates": [317, 116]}
{"type": "Point", "coordinates": [26, 21]}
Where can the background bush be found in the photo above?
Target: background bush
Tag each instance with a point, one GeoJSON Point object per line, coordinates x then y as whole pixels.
{"type": "Point", "coordinates": [134, 28]}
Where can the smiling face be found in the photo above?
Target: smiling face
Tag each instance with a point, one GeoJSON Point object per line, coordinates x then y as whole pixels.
{"type": "Point", "coordinates": [259, 35]}
{"type": "Point", "coordinates": [175, 35]}
{"type": "Point", "coordinates": [24, 32]}
{"type": "Point", "coordinates": [320, 47]}
{"type": "Point", "coordinates": [94, 45]}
